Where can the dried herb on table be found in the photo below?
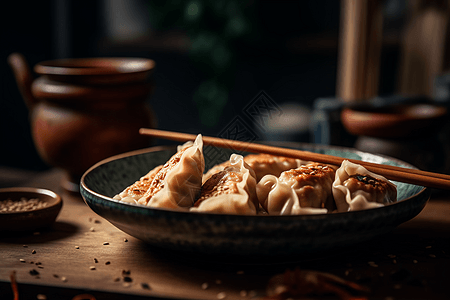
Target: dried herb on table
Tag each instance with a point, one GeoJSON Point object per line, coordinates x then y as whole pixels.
{"type": "Point", "coordinates": [299, 283]}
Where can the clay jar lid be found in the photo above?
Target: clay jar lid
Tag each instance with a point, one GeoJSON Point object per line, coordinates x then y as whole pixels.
{"type": "Point", "coordinates": [114, 70]}
{"type": "Point", "coordinates": [88, 81]}
{"type": "Point", "coordinates": [395, 121]}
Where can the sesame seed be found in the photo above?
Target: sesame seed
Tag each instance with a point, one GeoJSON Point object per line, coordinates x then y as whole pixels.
{"type": "Point", "coordinates": [34, 272]}
{"type": "Point", "coordinates": [414, 261]}
{"type": "Point", "coordinates": [33, 252]}
{"type": "Point", "coordinates": [77, 247]}
{"type": "Point", "coordinates": [22, 260]}
{"type": "Point", "coordinates": [25, 246]}
{"type": "Point", "coordinates": [127, 279]}
{"type": "Point", "coordinates": [95, 260]}
{"type": "Point", "coordinates": [126, 284]}
{"type": "Point", "coordinates": [107, 263]}
{"type": "Point", "coordinates": [41, 297]}
{"type": "Point", "coordinates": [92, 229]}
{"type": "Point", "coordinates": [243, 293]}
{"type": "Point", "coordinates": [205, 286]}
{"type": "Point", "coordinates": [36, 233]}
{"type": "Point", "coordinates": [97, 221]}
{"type": "Point", "coordinates": [91, 268]}
{"type": "Point", "coordinates": [221, 295]}
{"type": "Point", "coordinates": [145, 285]}
{"type": "Point", "coordinates": [63, 279]}
{"type": "Point", "coordinates": [428, 247]}
{"type": "Point", "coordinates": [125, 240]}
{"type": "Point", "coordinates": [432, 256]}
{"type": "Point", "coordinates": [105, 243]}
{"type": "Point", "coordinates": [116, 279]}
{"type": "Point", "coordinates": [55, 275]}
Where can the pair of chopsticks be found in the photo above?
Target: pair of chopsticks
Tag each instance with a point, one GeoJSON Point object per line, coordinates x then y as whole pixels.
{"type": "Point", "coordinates": [412, 176]}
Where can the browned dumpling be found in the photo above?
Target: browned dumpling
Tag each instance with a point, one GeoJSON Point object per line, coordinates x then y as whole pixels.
{"type": "Point", "coordinates": [135, 191]}
{"type": "Point", "coordinates": [231, 191]}
{"type": "Point", "coordinates": [303, 190]}
{"type": "Point", "coordinates": [177, 183]}
{"type": "Point", "coordinates": [262, 164]}
{"type": "Point", "coordinates": [356, 188]}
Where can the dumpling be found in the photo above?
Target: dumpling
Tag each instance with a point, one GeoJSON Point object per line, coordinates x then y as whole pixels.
{"type": "Point", "coordinates": [356, 188]}
{"type": "Point", "coordinates": [231, 191]}
{"type": "Point", "coordinates": [303, 190]}
{"type": "Point", "coordinates": [179, 181]}
{"type": "Point", "coordinates": [215, 169]}
{"type": "Point", "coordinates": [176, 184]}
{"type": "Point", "coordinates": [135, 191]}
{"type": "Point", "coordinates": [262, 164]}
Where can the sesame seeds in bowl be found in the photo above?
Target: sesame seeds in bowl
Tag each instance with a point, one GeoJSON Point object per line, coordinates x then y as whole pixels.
{"type": "Point", "coordinates": [28, 209]}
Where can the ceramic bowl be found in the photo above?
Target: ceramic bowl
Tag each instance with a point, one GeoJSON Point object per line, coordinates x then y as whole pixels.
{"type": "Point", "coordinates": [29, 220]}
{"type": "Point", "coordinates": [402, 120]}
{"type": "Point", "coordinates": [222, 234]}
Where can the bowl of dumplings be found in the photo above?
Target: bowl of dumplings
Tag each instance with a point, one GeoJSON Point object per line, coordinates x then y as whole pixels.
{"type": "Point", "coordinates": [213, 201]}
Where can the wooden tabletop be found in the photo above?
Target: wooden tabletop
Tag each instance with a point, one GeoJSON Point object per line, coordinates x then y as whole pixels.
{"type": "Point", "coordinates": [83, 253]}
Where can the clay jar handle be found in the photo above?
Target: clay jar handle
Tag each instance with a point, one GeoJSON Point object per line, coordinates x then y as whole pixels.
{"type": "Point", "coordinates": [23, 76]}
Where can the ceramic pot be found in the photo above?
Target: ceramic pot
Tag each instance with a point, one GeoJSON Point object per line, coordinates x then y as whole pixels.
{"type": "Point", "coordinates": [85, 110]}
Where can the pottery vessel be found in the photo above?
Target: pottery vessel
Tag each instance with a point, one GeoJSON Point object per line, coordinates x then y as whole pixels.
{"type": "Point", "coordinates": [85, 110]}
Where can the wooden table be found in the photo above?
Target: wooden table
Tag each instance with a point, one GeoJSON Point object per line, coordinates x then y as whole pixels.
{"type": "Point", "coordinates": [72, 258]}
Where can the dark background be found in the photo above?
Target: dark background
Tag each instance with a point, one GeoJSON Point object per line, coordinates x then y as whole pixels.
{"type": "Point", "coordinates": [288, 49]}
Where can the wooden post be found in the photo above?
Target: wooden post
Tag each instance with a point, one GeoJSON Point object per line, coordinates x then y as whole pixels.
{"type": "Point", "coordinates": [359, 49]}
{"type": "Point", "coordinates": [423, 46]}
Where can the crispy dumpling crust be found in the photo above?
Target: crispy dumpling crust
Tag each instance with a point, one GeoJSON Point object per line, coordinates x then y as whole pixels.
{"type": "Point", "coordinates": [262, 164]}
{"type": "Point", "coordinates": [303, 190]}
{"type": "Point", "coordinates": [232, 190]}
{"type": "Point", "coordinates": [135, 191]}
{"type": "Point", "coordinates": [175, 185]}
{"type": "Point", "coordinates": [356, 188]}
{"type": "Point", "coordinates": [158, 179]}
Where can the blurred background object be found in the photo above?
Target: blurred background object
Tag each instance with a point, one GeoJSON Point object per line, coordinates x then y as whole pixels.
{"type": "Point", "coordinates": [214, 57]}
{"type": "Point", "coordinates": [410, 125]}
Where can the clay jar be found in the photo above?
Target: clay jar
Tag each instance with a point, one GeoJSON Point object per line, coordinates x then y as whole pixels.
{"type": "Point", "coordinates": [85, 110]}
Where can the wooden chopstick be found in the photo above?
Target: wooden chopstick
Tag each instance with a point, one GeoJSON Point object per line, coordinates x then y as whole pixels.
{"type": "Point", "coordinates": [412, 176]}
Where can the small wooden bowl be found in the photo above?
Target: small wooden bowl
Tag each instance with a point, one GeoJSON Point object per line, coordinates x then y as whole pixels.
{"type": "Point", "coordinates": [29, 220]}
{"type": "Point", "coordinates": [396, 121]}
